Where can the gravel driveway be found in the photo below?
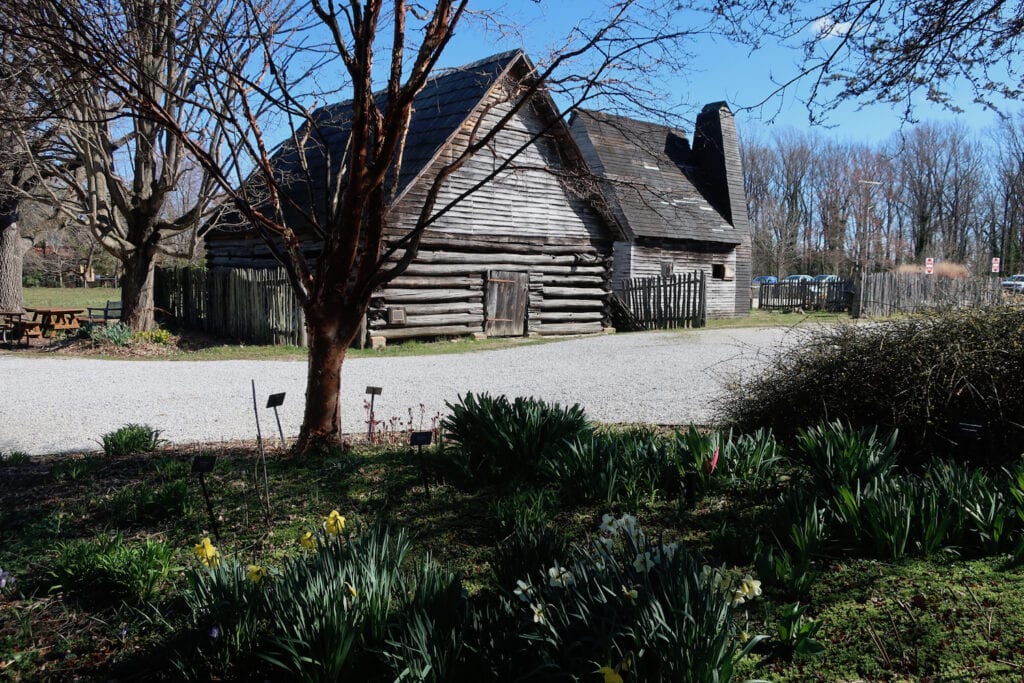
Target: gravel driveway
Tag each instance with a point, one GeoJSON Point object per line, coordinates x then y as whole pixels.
{"type": "Point", "coordinates": [53, 405]}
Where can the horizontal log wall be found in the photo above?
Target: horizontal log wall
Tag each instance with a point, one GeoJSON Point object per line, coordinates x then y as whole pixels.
{"type": "Point", "coordinates": [443, 291]}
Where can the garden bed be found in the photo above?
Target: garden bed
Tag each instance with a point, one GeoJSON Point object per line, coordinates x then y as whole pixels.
{"type": "Point", "coordinates": [122, 610]}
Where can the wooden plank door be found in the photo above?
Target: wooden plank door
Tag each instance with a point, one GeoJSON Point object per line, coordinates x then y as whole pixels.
{"type": "Point", "coordinates": [505, 304]}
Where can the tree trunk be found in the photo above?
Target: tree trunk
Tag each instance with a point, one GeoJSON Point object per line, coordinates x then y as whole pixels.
{"type": "Point", "coordinates": [329, 337]}
{"type": "Point", "coordinates": [12, 250]}
{"type": "Point", "coordinates": [137, 290]}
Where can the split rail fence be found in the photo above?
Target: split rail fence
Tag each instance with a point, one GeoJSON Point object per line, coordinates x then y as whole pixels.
{"type": "Point", "coordinates": [256, 305]}
{"type": "Point", "coordinates": [665, 302]}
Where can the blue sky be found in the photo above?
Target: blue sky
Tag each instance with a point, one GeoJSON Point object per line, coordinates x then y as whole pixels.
{"type": "Point", "coordinates": [720, 70]}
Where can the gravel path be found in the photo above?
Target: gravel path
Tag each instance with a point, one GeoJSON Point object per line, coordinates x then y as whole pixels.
{"type": "Point", "coordinates": [665, 378]}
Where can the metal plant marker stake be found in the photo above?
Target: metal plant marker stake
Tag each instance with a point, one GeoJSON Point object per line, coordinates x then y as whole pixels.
{"type": "Point", "coordinates": [201, 464]}
{"type": "Point", "coordinates": [421, 439]}
{"type": "Point", "coordinates": [371, 428]}
{"type": "Point", "coordinates": [256, 412]}
{"type": "Point", "coordinates": [273, 401]}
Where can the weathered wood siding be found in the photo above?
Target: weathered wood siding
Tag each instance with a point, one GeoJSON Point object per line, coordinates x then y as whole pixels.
{"type": "Point", "coordinates": [525, 220]}
{"type": "Point", "coordinates": [646, 260]}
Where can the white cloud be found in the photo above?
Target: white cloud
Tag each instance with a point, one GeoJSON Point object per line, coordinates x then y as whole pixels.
{"type": "Point", "coordinates": [825, 27]}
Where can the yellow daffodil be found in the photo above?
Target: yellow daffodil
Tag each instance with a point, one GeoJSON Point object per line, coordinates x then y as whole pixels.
{"type": "Point", "coordinates": [207, 553]}
{"type": "Point", "coordinates": [335, 523]}
{"type": "Point", "coordinates": [351, 590]}
{"type": "Point", "coordinates": [257, 573]}
{"type": "Point", "coordinates": [307, 541]}
{"type": "Point", "coordinates": [629, 593]}
{"type": "Point", "coordinates": [610, 675]}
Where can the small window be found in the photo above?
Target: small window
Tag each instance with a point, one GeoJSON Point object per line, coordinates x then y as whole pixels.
{"type": "Point", "coordinates": [667, 268]}
{"type": "Point", "coordinates": [723, 271]}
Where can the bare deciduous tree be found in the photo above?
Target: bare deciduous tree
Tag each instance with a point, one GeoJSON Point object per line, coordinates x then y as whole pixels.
{"type": "Point", "coordinates": [257, 70]}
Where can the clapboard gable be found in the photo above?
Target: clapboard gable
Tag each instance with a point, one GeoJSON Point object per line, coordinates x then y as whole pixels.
{"type": "Point", "coordinates": [649, 181]}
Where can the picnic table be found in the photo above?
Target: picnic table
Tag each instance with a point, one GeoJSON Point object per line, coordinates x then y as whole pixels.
{"type": "Point", "coordinates": [51, 320]}
{"type": "Point", "coordinates": [8, 321]}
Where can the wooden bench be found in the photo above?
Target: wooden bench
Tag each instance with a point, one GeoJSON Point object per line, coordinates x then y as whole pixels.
{"type": "Point", "coordinates": [26, 329]}
{"type": "Point", "coordinates": [110, 312]}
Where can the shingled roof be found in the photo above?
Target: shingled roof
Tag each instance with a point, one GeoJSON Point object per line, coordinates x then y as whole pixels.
{"type": "Point", "coordinates": [651, 183]}
{"type": "Point", "coordinates": [445, 102]}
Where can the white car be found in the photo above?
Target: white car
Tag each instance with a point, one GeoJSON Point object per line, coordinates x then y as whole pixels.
{"type": "Point", "coordinates": [1014, 284]}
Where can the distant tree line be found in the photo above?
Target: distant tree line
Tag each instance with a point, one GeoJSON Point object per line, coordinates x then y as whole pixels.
{"type": "Point", "coordinates": [934, 190]}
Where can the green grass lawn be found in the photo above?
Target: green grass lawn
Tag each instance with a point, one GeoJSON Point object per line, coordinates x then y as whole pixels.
{"type": "Point", "coordinates": [69, 297]}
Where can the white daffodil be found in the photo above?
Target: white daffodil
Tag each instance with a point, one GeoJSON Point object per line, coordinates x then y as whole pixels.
{"type": "Point", "coordinates": [538, 613]}
{"type": "Point", "coordinates": [560, 577]}
{"type": "Point", "coordinates": [523, 591]}
{"type": "Point", "coordinates": [608, 524]}
{"type": "Point", "coordinates": [644, 562]}
{"type": "Point", "coordinates": [750, 587]}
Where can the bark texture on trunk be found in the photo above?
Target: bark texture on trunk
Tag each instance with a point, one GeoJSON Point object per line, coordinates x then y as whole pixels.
{"type": "Point", "coordinates": [12, 250]}
{"type": "Point", "coordinates": [137, 290]}
{"type": "Point", "coordinates": [329, 338]}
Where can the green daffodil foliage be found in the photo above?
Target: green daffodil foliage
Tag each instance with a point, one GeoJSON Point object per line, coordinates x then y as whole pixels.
{"type": "Point", "coordinates": [632, 608]}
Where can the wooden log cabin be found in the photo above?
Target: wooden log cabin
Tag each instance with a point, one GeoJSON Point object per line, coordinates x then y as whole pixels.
{"type": "Point", "coordinates": [526, 253]}
{"type": "Point", "coordinates": [679, 207]}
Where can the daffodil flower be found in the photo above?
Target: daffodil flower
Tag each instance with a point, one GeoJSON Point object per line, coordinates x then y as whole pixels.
{"type": "Point", "coordinates": [335, 523]}
{"type": "Point", "coordinates": [538, 613]}
{"type": "Point", "coordinates": [560, 577]}
{"type": "Point", "coordinates": [257, 573]}
{"type": "Point", "coordinates": [644, 562]}
{"type": "Point", "coordinates": [523, 591]}
{"type": "Point", "coordinates": [307, 541]}
{"type": "Point", "coordinates": [627, 522]}
{"type": "Point", "coordinates": [607, 524]}
{"type": "Point", "coordinates": [207, 553]}
{"type": "Point", "coordinates": [751, 587]}
{"type": "Point", "coordinates": [629, 593]}
{"type": "Point", "coordinates": [352, 590]}
{"type": "Point", "coordinates": [610, 675]}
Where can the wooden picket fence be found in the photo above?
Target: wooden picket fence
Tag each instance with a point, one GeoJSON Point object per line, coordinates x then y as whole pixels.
{"type": "Point", "coordinates": [883, 294]}
{"type": "Point", "coordinates": [665, 302]}
{"type": "Point", "coordinates": [255, 305]}
{"type": "Point", "coordinates": [809, 296]}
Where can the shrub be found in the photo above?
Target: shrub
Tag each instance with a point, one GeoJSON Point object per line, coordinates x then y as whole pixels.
{"type": "Point", "coordinates": [496, 440]}
{"type": "Point", "coordinates": [115, 334]}
{"type": "Point", "coordinates": [132, 438]}
{"type": "Point", "coordinates": [105, 568]}
{"type": "Point", "coordinates": [925, 376]}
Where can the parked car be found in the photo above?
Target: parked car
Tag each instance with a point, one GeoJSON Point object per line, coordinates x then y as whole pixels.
{"type": "Point", "coordinates": [798, 278]}
{"type": "Point", "coordinates": [1014, 284]}
{"type": "Point", "coordinates": [827, 278]}
{"type": "Point", "coordinates": [764, 280]}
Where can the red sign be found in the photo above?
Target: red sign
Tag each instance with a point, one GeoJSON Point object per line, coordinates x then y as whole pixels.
{"type": "Point", "coordinates": [929, 261]}
{"type": "Point", "coordinates": [929, 266]}
{"type": "Point", "coordinates": [995, 265]}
